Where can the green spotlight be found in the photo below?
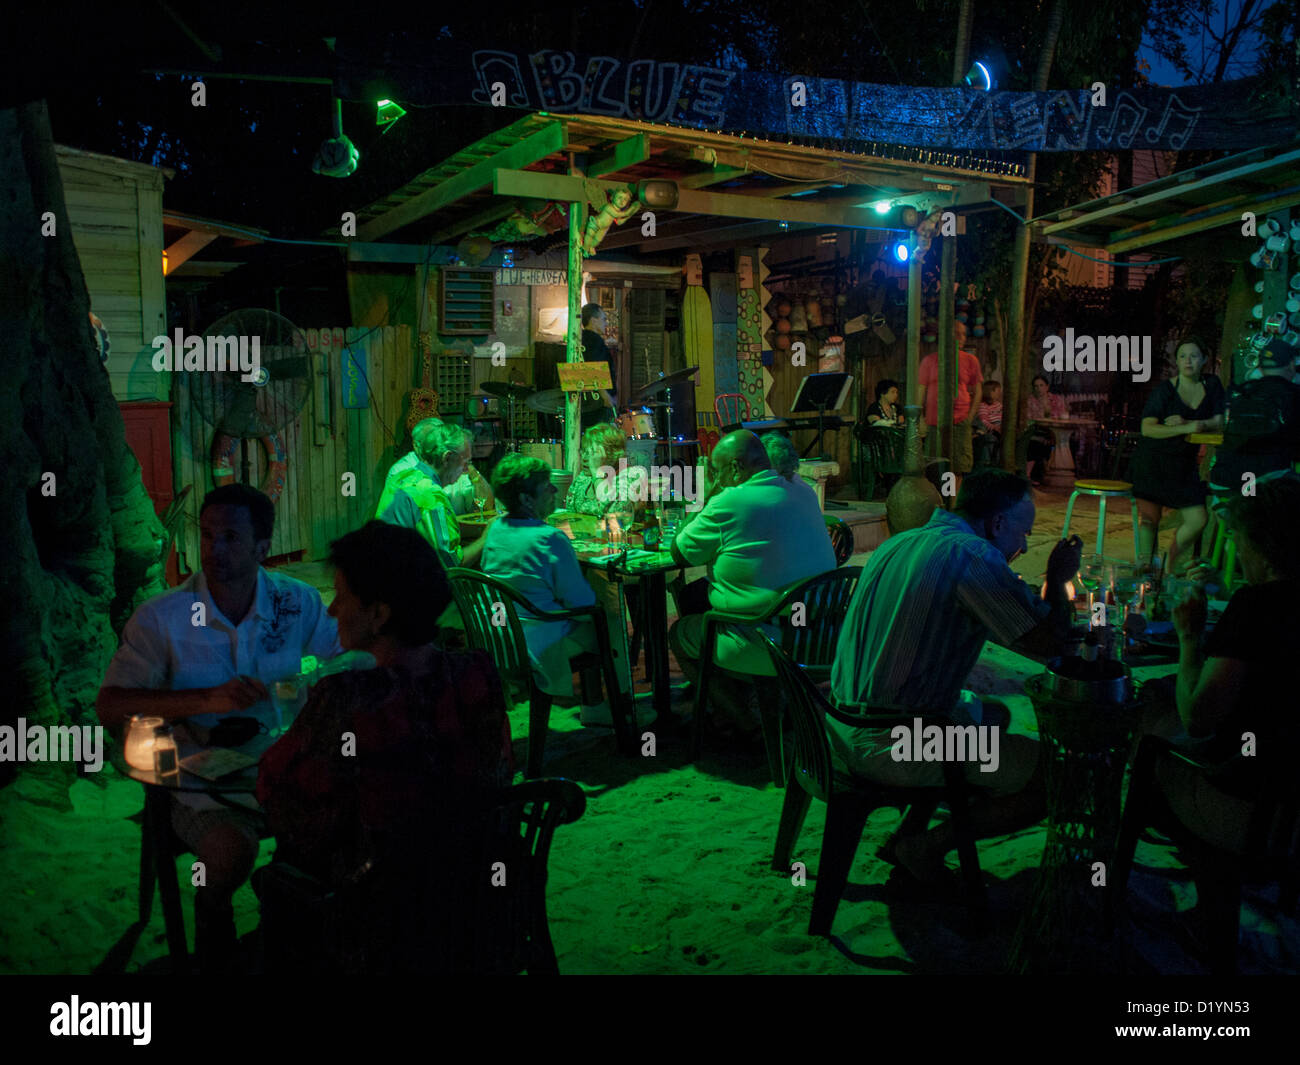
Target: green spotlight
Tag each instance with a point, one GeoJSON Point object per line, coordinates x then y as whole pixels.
{"type": "Point", "coordinates": [387, 113]}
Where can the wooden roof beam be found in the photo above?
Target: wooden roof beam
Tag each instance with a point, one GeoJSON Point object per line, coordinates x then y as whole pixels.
{"type": "Point", "coordinates": [184, 249]}
{"type": "Point", "coordinates": [1124, 202]}
{"type": "Point", "coordinates": [626, 153]}
{"type": "Point", "coordinates": [689, 201]}
{"type": "Point", "coordinates": [1226, 216]}
{"type": "Point", "coordinates": [546, 141]}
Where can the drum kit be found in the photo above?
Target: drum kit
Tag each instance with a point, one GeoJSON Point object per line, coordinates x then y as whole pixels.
{"type": "Point", "coordinates": [653, 420]}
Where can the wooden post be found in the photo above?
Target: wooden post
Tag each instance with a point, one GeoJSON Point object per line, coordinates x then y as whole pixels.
{"type": "Point", "coordinates": [947, 348]}
{"type": "Point", "coordinates": [1012, 425]}
{"type": "Point", "coordinates": [1011, 388]}
{"type": "Point", "coordinates": [573, 347]}
{"type": "Point", "coordinates": [912, 461]}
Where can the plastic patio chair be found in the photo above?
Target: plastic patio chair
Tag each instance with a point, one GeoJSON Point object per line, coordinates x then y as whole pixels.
{"type": "Point", "coordinates": [812, 640]}
{"type": "Point", "coordinates": [1272, 851]}
{"type": "Point", "coordinates": [841, 538]}
{"type": "Point", "coordinates": [479, 596]}
{"type": "Point", "coordinates": [850, 800]}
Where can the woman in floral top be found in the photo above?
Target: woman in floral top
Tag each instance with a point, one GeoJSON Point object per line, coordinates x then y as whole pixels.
{"type": "Point", "coordinates": [601, 487]}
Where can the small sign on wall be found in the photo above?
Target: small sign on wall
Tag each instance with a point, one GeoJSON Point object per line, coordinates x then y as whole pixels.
{"type": "Point", "coordinates": [356, 394]}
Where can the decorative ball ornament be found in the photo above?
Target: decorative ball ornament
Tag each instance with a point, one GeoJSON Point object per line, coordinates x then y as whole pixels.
{"type": "Point", "coordinates": [783, 309]}
{"type": "Point", "coordinates": [783, 324]}
{"type": "Point", "coordinates": [781, 342]}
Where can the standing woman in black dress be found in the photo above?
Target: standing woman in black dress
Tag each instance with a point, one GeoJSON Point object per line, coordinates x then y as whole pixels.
{"type": "Point", "coordinates": [1164, 472]}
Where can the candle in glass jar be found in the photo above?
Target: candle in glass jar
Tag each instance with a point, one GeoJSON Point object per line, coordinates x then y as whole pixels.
{"type": "Point", "coordinates": [140, 741]}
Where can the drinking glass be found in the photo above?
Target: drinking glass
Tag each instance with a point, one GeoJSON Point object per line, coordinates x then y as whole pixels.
{"type": "Point", "coordinates": [1092, 575]}
{"type": "Point", "coordinates": [1130, 580]}
{"type": "Point", "coordinates": [288, 696]}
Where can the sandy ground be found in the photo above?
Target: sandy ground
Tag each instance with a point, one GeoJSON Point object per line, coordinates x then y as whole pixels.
{"type": "Point", "coordinates": [668, 871]}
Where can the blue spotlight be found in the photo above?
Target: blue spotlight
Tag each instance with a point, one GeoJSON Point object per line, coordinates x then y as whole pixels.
{"type": "Point", "coordinates": [902, 252]}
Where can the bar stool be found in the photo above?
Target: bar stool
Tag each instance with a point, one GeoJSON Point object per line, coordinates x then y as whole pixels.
{"type": "Point", "coordinates": [1225, 544]}
{"type": "Point", "coordinates": [1103, 490]}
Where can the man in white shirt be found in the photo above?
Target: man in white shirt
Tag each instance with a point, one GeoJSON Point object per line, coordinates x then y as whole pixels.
{"type": "Point", "coordinates": [209, 650]}
{"type": "Point", "coordinates": [759, 533]}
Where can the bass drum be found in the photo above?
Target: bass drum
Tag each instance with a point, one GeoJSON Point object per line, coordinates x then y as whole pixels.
{"type": "Point", "coordinates": [637, 424]}
{"type": "Point", "coordinates": [549, 451]}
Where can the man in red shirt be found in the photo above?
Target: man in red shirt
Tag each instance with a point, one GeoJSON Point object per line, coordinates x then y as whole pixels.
{"type": "Point", "coordinates": [969, 379]}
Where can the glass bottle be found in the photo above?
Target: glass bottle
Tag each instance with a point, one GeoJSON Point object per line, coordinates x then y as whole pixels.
{"type": "Point", "coordinates": [166, 761]}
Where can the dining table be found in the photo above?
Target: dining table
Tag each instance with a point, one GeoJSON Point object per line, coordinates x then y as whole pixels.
{"type": "Point", "coordinates": [625, 560]}
{"type": "Point", "coordinates": [1087, 748]}
{"type": "Point", "coordinates": [157, 841]}
{"type": "Point", "coordinates": [1061, 468]}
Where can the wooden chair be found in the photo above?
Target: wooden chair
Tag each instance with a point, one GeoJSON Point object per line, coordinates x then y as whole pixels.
{"type": "Point", "coordinates": [489, 919]}
{"type": "Point", "coordinates": [489, 609]}
{"type": "Point", "coordinates": [1272, 851]}
{"type": "Point", "coordinates": [851, 800]}
{"type": "Point", "coordinates": [727, 407]}
{"type": "Point", "coordinates": [809, 636]}
{"type": "Point", "coordinates": [159, 849]}
{"type": "Point", "coordinates": [841, 538]}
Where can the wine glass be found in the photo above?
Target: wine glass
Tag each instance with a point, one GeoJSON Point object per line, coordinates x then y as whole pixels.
{"type": "Point", "coordinates": [1092, 574]}
{"type": "Point", "coordinates": [1130, 581]}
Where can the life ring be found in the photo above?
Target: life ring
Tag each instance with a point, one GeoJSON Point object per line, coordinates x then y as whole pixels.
{"type": "Point", "coordinates": [224, 447]}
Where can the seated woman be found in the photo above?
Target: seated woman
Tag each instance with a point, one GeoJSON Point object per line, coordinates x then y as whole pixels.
{"type": "Point", "coordinates": [1232, 689]}
{"type": "Point", "coordinates": [1042, 403]}
{"type": "Point", "coordinates": [988, 424]}
{"type": "Point", "coordinates": [371, 767]}
{"type": "Point", "coordinates": [539, 563]}
{"type": "Point", "coordinates": [783, 455]}
{"type": "Point", "coordinates": [884, 411]}
{"type": "Point", "coordinates": [607, 485]}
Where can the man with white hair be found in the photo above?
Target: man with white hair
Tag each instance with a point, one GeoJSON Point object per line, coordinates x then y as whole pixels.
{"type": "Point", "coordinates": [414, 496]}
{"type": "Point", "coordinates": [758, 532]}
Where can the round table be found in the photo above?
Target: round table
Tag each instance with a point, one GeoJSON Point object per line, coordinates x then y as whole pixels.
{"type": "Point", "coordinates": [1060, 470]}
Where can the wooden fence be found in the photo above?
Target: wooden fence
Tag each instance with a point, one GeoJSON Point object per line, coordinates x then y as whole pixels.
{"type": "Point", "coordinates": [323, 443]}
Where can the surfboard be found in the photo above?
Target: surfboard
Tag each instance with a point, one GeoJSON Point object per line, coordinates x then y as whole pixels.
{"type": "Point", "coordinates": [697, 339]}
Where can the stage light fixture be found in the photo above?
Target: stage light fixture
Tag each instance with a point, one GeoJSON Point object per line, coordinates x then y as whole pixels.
{"type": "Point", "coordinates": [387, 112]}
{"type": "Point", "coordinates": [978, 77]}
{"type": "Point", "coordinates": [902, 252]}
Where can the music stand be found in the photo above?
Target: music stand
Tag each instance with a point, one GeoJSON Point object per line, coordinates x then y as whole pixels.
{"type": "Point", "coordinates": [821, 392]}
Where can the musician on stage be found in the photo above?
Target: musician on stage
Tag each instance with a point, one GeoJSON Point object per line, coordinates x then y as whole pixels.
{"type": "Point", "coordinates": [594, 349]}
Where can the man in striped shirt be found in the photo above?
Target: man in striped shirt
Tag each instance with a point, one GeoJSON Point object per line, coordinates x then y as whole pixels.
{"type": "Point", "coordinates": [927, 601]}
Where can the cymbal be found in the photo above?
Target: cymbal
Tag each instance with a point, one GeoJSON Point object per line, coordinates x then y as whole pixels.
{"type": "Point", "coordinates": [505, 389]}
{"type": "Point", "coordinates": [552, 401]}
{"type": "Point", "coordinates": [677, 377]}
